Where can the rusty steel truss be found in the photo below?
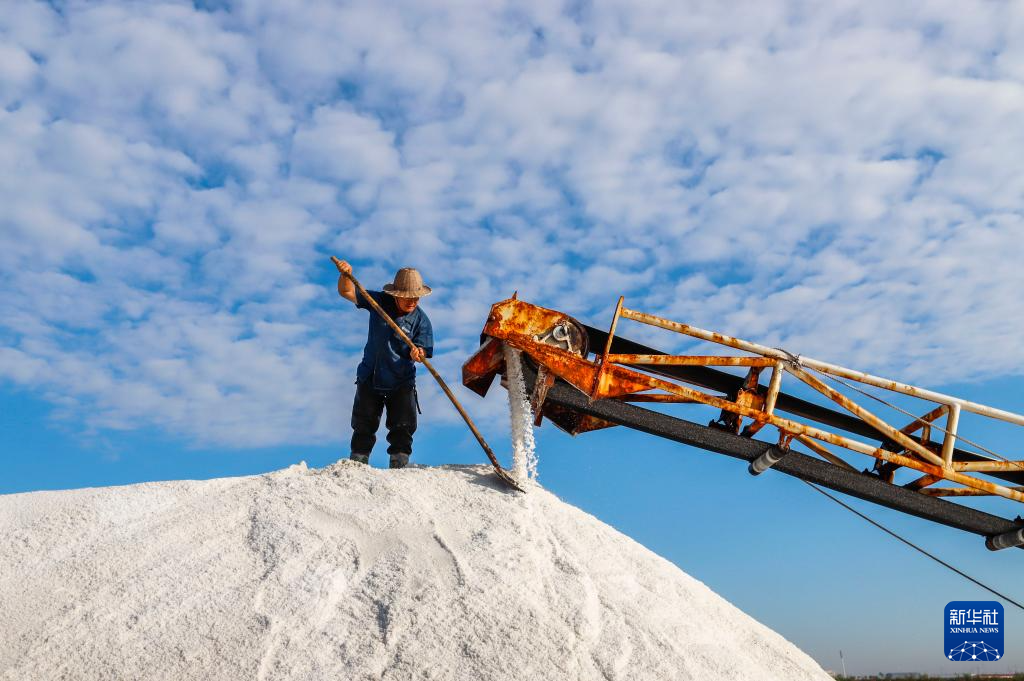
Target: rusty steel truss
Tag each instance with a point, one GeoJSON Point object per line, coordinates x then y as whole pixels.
{"type": "Point", "coordinates": [583, 379]}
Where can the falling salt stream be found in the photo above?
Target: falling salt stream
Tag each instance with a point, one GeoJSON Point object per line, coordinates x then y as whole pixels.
{"type": "Point", "coordinates": [524, 448]}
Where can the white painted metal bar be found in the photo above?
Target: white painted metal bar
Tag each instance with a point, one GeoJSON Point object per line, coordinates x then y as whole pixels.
{"type": "Point", "coordinates": [988, 466]}
{"type": "Point", "coordinates": [952, 423]}
{"type": "Point", "coordinates": [773, 388]}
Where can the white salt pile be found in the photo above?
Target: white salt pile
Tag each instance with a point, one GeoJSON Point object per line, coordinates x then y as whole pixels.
{"type": "Point", "coordinates": [351, 572]}
{"type": "Point", "coordinates": [524, 448]}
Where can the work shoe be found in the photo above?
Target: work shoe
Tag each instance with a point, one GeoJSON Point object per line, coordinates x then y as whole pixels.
{"type": "Point", "coordinates": [399, 460]}
{"type": "Point", "coordinates": [360, 458]}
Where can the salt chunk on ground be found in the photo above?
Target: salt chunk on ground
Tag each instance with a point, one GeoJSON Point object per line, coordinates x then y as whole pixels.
{"type": "Point", "coordinates": [351, 572]}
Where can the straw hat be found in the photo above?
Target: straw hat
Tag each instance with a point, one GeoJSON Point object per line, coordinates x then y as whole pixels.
{"type": "Point", "coordinates": [408, 284]}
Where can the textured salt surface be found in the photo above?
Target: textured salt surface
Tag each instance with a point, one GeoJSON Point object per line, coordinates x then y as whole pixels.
{"type": "Point", "coordinates": [351, 572]}
{"type": "Point", "coordinates": [524, 448]}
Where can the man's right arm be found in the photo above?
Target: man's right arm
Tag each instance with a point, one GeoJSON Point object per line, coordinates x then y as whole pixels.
{"type": "Point", "coordinates": [346, 289]}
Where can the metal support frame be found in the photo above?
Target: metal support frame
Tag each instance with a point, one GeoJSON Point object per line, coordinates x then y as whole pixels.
{"type": "Point", "coordinates": [918, 456]}
{"type": "Point", "coordinates": [628, 372]}
{"type": "Point", "coordinates": [838, 478]}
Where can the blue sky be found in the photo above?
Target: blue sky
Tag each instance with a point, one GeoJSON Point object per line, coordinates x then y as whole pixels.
{"type": "Point", "coordinates": [839, 180]}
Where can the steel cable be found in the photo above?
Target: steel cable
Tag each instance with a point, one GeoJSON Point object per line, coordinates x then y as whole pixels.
{"type": "Point", "coordinates": [914, 546]}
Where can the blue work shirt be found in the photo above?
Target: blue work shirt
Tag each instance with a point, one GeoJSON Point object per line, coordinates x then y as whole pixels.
{"type": "Point", "coordinates": [386, 359]}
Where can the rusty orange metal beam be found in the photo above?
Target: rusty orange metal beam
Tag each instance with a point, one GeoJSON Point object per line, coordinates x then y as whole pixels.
{"type": "Point", "coordinates": [922, 482]}
{"type": "Point", "coordinates": [823, 452]}
{"type": "Point", "coordinates": [607, 348]}
{"type": "Point", "coordinates": [959, 492]}
{"type": "Point", "coordinates": [642, 397]}
{"type": "Point", "coordinates": [922, 421]}
{"type": "Point", "coordinates": [693, 360]}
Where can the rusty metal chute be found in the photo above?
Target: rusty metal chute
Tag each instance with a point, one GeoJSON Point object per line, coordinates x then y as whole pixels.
{"type": "Point", "coordinates": [580, 391]}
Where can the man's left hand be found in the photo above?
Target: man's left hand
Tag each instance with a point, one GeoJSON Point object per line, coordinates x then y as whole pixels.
{"type": "Point", "coordinates": [417, 354]}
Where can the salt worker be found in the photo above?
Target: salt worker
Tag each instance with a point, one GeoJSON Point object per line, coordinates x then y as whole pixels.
{"type": "Point", "coordinates": [386, 378]}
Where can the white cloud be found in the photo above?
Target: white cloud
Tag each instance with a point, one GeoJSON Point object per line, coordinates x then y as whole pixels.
{"type": "Point", "coordinates": [841, 180]}
{"type": "Point", "coordinates": [344, 147]}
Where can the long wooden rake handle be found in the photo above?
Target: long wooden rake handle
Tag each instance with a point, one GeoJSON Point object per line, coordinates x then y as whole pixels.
{"type": "Point", "coordinates": [502, 473]}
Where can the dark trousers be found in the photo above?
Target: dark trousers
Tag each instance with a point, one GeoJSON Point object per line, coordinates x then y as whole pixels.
{"type": "Point", "coordinates": [401, 404]}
